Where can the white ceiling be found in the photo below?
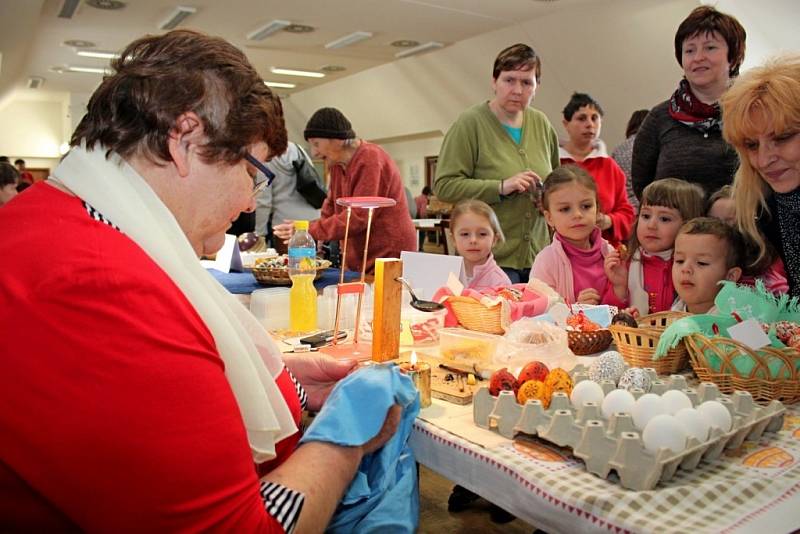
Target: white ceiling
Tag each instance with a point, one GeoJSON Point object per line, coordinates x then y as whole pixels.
{"type": "Point", "coordinates": [31, 33]}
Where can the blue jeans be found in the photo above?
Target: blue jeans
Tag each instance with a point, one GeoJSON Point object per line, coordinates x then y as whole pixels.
{"type": "Point", "coordinates": [517, 276]}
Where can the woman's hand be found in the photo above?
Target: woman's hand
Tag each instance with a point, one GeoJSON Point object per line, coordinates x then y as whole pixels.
{"type": "Point", "coordinates": [520, 182]}
{"type": "Point", "coordinates": [617, 274]}
{"type": "Point", "coordinates": [604, 222]}
{"type": "Point", "coordinates": [284, 231]}
{"type": "Point", "coordinates": [589, 296]}
{"type": "Point", "coordinates": [318, 374]}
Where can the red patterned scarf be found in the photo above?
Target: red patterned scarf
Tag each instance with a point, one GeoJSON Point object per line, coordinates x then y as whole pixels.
{"type": "Point", "coordinates": [685, 108]}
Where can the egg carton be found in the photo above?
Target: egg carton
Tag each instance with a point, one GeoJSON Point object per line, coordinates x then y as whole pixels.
{"type": "Point", "coordinates": [615, 444]}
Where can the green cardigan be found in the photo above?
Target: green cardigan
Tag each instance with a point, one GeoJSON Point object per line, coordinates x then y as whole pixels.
{"type": "Point", "coordinates": [477, 153]}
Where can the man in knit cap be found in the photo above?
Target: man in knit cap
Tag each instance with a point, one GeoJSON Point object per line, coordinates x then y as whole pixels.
{"type": "Point", "coordinates": [357, 168]}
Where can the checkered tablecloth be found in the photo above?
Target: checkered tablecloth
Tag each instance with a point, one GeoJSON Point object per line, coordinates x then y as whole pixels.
{"type": "Point", "coordinates": [755, 488]}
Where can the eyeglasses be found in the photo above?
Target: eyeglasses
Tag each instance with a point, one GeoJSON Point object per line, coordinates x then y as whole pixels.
{"type": "Point", "coordinates": [259, 186]}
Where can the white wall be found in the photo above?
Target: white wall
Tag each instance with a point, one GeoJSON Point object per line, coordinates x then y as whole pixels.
{"type": "Point", "coordinates": [410, 159]}
{"type": "Point", "coordinates": [621, 53]}
{"type": "Point", "coordinates": [31, 129]}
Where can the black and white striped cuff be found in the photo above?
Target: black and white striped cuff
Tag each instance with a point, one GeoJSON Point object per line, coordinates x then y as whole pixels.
{"type": "Point", "coordinates": [282, 503]}
{"type": "Point", "coordinates": [301, 392]}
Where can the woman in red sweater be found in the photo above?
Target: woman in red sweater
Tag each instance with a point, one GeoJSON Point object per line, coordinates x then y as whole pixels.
{"type": "Point", "coordinates": [357, 169]}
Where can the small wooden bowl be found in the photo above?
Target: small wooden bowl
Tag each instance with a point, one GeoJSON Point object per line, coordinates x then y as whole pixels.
{"type": "Point", "coordinates": [583, 343]}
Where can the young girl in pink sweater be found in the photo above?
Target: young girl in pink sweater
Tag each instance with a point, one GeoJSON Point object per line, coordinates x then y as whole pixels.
{"type": "Point", "coordinates": [573, 264]}
{"type": "Point", "coordinates": [644, 279]}
{"type": "Point", "coordinates": [475, 231]}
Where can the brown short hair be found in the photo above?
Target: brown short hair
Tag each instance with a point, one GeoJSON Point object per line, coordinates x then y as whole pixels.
{"type": "Point", "coordinates": [158, 78]}
{"type": "Point", "coordinates": [717, 228]}
{"type": "Point", "coordinates": [478, 207]}
{"type": "Point", "coordinates": [688, 198]}
{"type": "Point", "coordinates": [564, 175]}
{"type": "Point", "coordinates": [8, 174]}
{"type": "Point", "coordinates": [636, 120]}
{"type": "Point", "coordinates": [517, 57]}
{"type": "Point", "coordinates": [706, 19]}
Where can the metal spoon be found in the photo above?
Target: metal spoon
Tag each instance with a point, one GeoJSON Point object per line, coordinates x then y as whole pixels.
{"type": "Point", "coordinates": [421, 305]}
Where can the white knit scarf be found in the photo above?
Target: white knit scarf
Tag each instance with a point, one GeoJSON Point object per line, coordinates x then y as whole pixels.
{"type": "Point", "coordinates": [638, 295]}
{"type": "Point", "coordinates": [251, 358]}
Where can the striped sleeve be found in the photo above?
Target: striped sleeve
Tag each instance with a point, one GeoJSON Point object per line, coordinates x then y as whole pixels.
{"type": "Point", "coordinates": [282, 503]}
{"type": "Point", "coordinates": [301, 392]}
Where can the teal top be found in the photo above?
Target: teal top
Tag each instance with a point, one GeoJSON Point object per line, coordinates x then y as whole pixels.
{"type": "Point", "coordinates": [515, 133]}
{"type": "Point", "coordinates": [477, 153]}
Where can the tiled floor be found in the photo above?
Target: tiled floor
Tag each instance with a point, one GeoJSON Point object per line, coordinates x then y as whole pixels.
{"type": "Point", "coordinates": [435, 519]}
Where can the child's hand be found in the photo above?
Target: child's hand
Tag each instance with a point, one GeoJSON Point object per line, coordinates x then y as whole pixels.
{"type": "Point", "coordinates": [616, 271]}
{"type": "Point", "coordinates": [604, 222]}
{"type": "Point", "coordinates": [633, 311]}
{"type": "Point", "coordinates": [589, 296]}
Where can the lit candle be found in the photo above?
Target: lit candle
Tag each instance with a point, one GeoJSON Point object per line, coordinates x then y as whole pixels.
{"type": "Point", "coordinates": [420, 374]}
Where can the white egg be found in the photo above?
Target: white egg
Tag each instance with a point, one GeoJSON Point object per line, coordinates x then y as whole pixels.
{"type": "Point", "coordinates": [586, 391]}
{"type": "Point", "coordinates": [676, 401]}
{"type": "Point", "coordinates": [716, 415]}
{"type": "Point", "coordinates": [694, 423]}
{"type": "Point", "coordinates": [664, 431]}
{"type": "Point", "coordinates": [648, 406]}
{"type": "Point", "coordinates": [618, 401]}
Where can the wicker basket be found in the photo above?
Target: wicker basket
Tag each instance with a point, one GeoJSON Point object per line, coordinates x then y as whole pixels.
{"type": "Point", "coordinates": [583, 343]}
{"type": "Point", "coordinates": [637, 345]}
{"type": "Point", "coordinates": [473, 315]}
{"type": "Point", "coordinates": [722, 350]}
{"type": "Point", "coordinates": [279, 276]}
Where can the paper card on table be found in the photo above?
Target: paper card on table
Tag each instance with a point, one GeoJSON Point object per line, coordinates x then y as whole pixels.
{"type": "Point", "coordinates": [749, 333]}
{"type": "Point", "coordinates": [428, 272]}
{"type": "Point", "coordinates": [454, 284]}
{"type": "Point", "coordinates": [228, 257]}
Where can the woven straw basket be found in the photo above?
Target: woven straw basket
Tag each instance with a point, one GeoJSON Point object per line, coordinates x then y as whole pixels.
{"type": "Point", "coordinates": [758, 383]}
{"type": "Point", "coordinates": [637, 345]}
{"type": "Point", "coordinates": [583, 343]}
{"type": "Point", "coordinates": [473, 315]}
{"type": "Point", "coordinates": [279, 276]}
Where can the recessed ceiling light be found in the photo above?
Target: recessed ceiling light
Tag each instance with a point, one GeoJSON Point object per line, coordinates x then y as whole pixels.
{"type": "Point", "coordinates": [78, 43]}
{"type": "Point", "coordinates": [299, 28]}
{"type": "Point", "coordinates": [293, 72]}
{"type": "Point", "coordinates": [404, 43]}
{"type": "Point", "coordinates": [264, 31]}
{"type": "Point", "coordinates": [105, 4]}
{"type": "Point", "coordinates": [87, 70]}
{"type": "Point", "coordinates": [347, 40]}
{"type": "Point", "coordinates": [281, 85]}
{"type": "Point", "coordinates": [178, 15]}
{"type": "Point", "coordinates": [332, 68]}
{"type": "Point", "coordinates": [102, 54]}
{"type": "Point", "coordinates": [432, 45]}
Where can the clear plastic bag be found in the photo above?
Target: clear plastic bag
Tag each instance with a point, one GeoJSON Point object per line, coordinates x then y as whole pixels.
{"type": "Point", "coordinates": [529, 339]}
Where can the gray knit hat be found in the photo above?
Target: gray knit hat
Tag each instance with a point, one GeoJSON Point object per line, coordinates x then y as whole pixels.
{"type": "Point", "coordinates": [329, 123]}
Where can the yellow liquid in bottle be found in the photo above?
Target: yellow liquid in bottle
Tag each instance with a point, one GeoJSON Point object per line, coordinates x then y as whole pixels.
{"type": "Point", "coordinates": [303, 303]}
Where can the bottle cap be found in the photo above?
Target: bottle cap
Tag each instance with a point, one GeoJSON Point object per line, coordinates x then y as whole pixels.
{"type": "Point", "coordinates": [301, 225]}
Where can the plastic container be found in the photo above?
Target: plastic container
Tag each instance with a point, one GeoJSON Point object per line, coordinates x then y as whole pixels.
{"type": "Point", "coordinates": [423, 327]}
{"type": "Point", "coordinates": [269, 307]}
{"type": "Point", "coordinates": [302, 252]}
{"type": "Point", "coordinates": [468, 346]}
{"type": "Point", "coordinates": [529, 339]}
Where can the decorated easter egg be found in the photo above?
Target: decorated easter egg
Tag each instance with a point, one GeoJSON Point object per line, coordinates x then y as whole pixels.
{"type": "Point", "coordinates": [618, 401]}
{"type": "Point", "coordinates": [586, 391]}
{"type": "Point", "coordinates": [533, 371]}
{"type": "Point", "coordinates": [693, 423]}
{"type": "Point", "coordinates": [635, 377]}
{"type": "Point", "coordinates": [533, 390]}
{"type": "Point", "coordinates": [769, 458]}
{"type": "Point", "coordinates": [608, 366]}
{"type": "Point", "coordinates": [716, 415]}
{"type": "Point", "coordinates": [664, 432]}
{"type": "Point", "coordinates": [558, 380]}
{"type": "Point", "coordinates": [648, 406]}
{"type": "Point", "coordinates": [502, 380]}
{"type": "Point", "coordinates": [676, 401]}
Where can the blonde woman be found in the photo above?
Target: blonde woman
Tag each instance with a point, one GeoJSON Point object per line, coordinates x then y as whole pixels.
{"type": "Point", "coordinates": [762, 121]}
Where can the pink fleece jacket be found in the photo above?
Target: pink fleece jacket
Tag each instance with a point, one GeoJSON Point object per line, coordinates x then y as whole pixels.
{"type": "Point", "coordinates": [488, 275]}
{"type": "Point", "coordinates": [553, 266]}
